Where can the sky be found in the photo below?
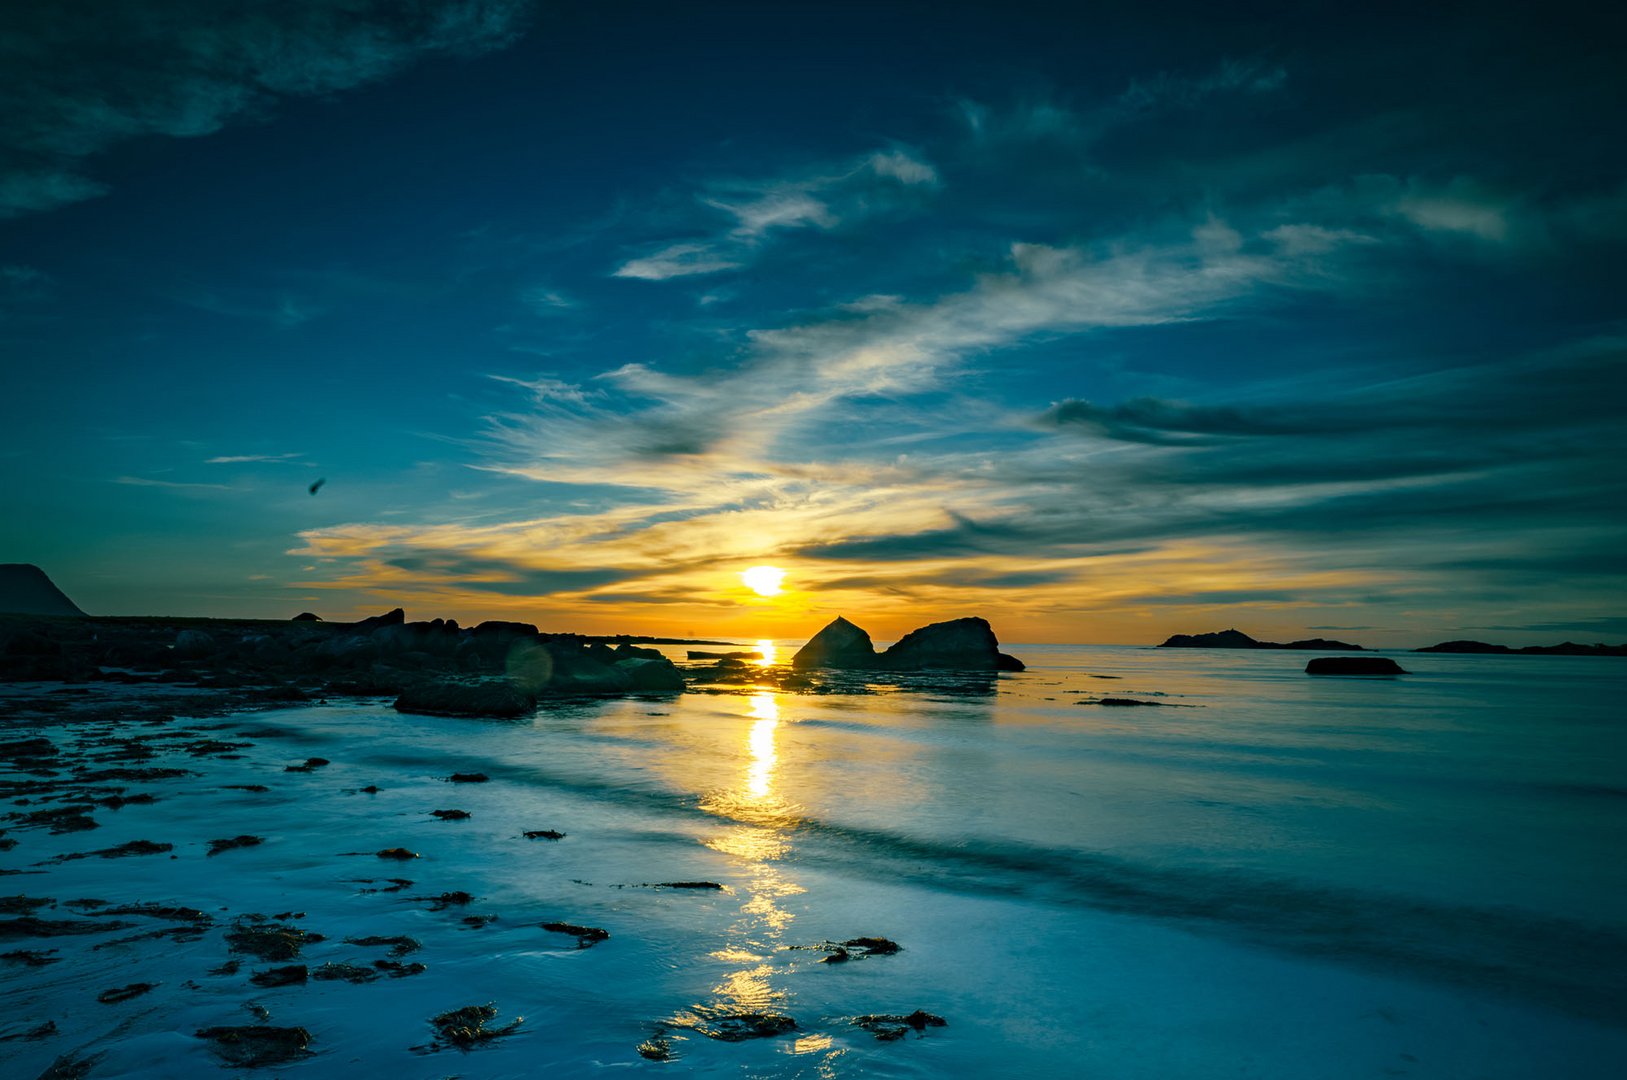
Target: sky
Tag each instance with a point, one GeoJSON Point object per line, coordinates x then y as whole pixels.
{"type": "Point", "coordinates": [1146, 318]}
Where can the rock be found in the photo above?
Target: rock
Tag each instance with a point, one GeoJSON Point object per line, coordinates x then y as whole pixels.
{"type": "Point", "coordinates": [1465, 647]}
{"type": "Point", "coordinates": [1236, 639]}
{"type": "Point", "coordinates": [544, 834]}
{"type": "Point", "coordinates": [1353, 665]}
{"type": "Point", "coordinates": [400, 854]}
{"type": "Point", "coordinates": [696, 654]}
{"type": "Point", "coordinates": [467, 778]}
{"type": "Point", "coordinates": [1224, 639]}
{"type": "Point", "coordinates": [306, 616]}
{"type": "Point", "coordinates": [498, 698]}
{"type": "Point", "coordinates": [586, 936]}
{"type": "Point", "coordinates": [26, 590]}
{"type": "Point", "coordinates": [193, 643]}
{"type": "Point", "coordinates": [496, 628]}
{"type": "Point", "coordinates": [400, 945]}
{"type": "Point", "coordinates": [652, 674]}
{"type": "Point", "coordinates": [394, 617]}
{"type": "Point", "coordinates": [450, 815]}
{"type": "Point", "coordinates": [627, 651]}
{"type": "Point", "coordinates": [888, 1028]}
{"type": "Point", "coordinates": [958, 645]}
{"type": "Point", "coordinates": [1007, 662]}
{"type": "Point", "coordinates": [839, 645]}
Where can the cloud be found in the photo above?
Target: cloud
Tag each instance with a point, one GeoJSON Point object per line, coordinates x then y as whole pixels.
{"type": "Point", "coordinates": [78, 78]}
{"type": "Point", "coordinates": [874, 184]}
{"type": "Point", "coordinates": [243, 459]}
{"type": "Point", "coordinates": [142, 481]}
{"type": "Point", "coordinates": [677, 260]}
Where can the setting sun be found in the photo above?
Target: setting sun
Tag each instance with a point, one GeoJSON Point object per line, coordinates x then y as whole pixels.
{"type": "Point", "coordinates": [763, 580]}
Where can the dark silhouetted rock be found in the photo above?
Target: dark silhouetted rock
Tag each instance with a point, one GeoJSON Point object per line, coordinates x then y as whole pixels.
{"type": "Point", "coordinates": [1007, 662]}
{"type": "Point", "coordinates": [26, 590]}
{"type": "Point", "coordinates": [1571, 648]}
{"type": "Point", "coordinates": [656, 674]}
{"type": "Point", "coordinates": [1353, 665]}
{"type": "Point", "coordinates": [738, 1027]}
{"type": "Point", "coordinates": [1236, 639]}
{"type": "Point", "coordinates": [1222, 639]}
{"type": "Point", "coordinates": [586, 936]}
{"type": "Point", "coordinates": [957, 645]}
{"type": "Point", "coordinates": [306, 616]}
{"type": "Point", "coordinates": [193, 643]}
{"type": "Point", "coordinates": [1465, 647]}
{"type": "Point", "coordinates": [497, 628]}
{"type": "Point", "coordinates": [390, 618]}
{"type": "Point", "coordinates": [627, 651]}
{"type": "Point", "coordinates": [489, 698]}
{"type": "Point", "coordinates": [839, 645]}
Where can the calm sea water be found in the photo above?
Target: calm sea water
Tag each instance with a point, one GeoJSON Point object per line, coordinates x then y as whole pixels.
{"type": "Point", "coordinates": [1270, 875]}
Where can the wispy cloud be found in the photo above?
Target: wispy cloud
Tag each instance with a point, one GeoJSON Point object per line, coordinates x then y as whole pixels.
{"type": "Point", "coordinates": [80, 78]}
{"type": "Point", "coordinates": [145, 481]}
{"type": "Point", "coordinates": [757, 209]}
{"type": "Point", "coordinates": [244, 459]}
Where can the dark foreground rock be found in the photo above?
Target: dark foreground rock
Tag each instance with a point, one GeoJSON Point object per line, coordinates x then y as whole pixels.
{"type": "Point", "coordinates": [1236, 639]}
{"type": "Point", "coordinates": [1353, 665]}
{"type": "Point", "coordinates": [467, 1027]}
{"type": "Point", "coordinates": [840, 645]}
{"type": "Point", "coordinates": [487, 698]}
{"type": "Point", "coordinates": [965, 644]}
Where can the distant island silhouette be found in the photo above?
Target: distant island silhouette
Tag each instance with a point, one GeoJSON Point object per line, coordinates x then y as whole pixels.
{"type": "Point", "coordinates": [1236, 639]}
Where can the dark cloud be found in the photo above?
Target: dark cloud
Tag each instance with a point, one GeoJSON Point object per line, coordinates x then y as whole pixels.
{"type": "Point", "coordinates": [1611, 625]}
{"type": "Point", "coordinates": [78, 77]}
{"type": "Point", "coordinates": [505, 578]}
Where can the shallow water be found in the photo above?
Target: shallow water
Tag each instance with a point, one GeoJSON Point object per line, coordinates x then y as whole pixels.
{"type": "Point", "coordinates": [1270, 875]}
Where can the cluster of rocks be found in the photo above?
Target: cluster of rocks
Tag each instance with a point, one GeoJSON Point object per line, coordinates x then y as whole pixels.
{"type": "Point", "coordinates": [957, 645]}
{"type": "Point", "coordinates": [494, 668]}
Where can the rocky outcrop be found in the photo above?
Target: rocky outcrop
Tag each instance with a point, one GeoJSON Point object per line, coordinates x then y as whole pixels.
{"type": "Point", "coordinates": [1354, 665]}
{"type": "Point", "coordinates": [1236, 639]}
{"type": "Point", "coordinates": [26, 590]}
{"type": "Point", "coordinates": [657, 674]}
{"type": "Point", "coordinates": [1568, 648]}
{"type": "Point", "coordinates": [957, 645]}
{"type": "Point", "coordinates": [306, 616]}
{"type": "Point", "coordinates": [390, 618]}
{"type": "Point", "coordinates": [839, 645]}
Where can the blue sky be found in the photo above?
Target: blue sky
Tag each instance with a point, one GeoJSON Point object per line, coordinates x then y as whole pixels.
{"type": "Point", "coordinates": [1105, 326]}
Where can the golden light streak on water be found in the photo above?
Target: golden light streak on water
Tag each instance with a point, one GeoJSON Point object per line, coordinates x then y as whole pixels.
{"type": "Point", "coordinates": [768, 653]}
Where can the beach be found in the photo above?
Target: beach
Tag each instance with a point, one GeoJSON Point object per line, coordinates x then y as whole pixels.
{"type": "Point", "coordinates": [1263, 874]}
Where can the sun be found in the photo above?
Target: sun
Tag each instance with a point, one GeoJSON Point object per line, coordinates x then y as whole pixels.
{"type": "Point", "coordinates": [763, 580]}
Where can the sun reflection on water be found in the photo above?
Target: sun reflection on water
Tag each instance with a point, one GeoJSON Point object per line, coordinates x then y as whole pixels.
{"type": "Point", "coordinates": [767, 653]}
{"type": "Point", "coordinates": [760, 833]}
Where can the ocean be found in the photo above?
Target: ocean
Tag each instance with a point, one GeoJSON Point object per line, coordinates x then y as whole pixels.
{"type": "Point", "coordinates": [1264, 874]}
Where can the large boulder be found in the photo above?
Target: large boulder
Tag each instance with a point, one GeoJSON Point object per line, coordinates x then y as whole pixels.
{"type": "Point", "coordinates": [1354, 665]}
{"type": "Point", "coordinates": [394, 617]}
{"type": "Point", "coordinates": [839, 645]}
{"type": "Point", "coordinates": [193, 643]}
{"type": "Point", "coordinates": [652, 674]}
{"type": "Point", "coordinates": [957, 645]}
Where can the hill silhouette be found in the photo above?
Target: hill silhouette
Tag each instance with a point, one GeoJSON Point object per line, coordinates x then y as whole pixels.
{"type": "Point", "coordinates": [26, 590]}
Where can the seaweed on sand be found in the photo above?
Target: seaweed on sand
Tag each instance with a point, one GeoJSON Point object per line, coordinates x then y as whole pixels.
{"type": "Point", "coordinates": [465, 1028]}
{"type": "Point", "coordinates": [255, 1045]}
